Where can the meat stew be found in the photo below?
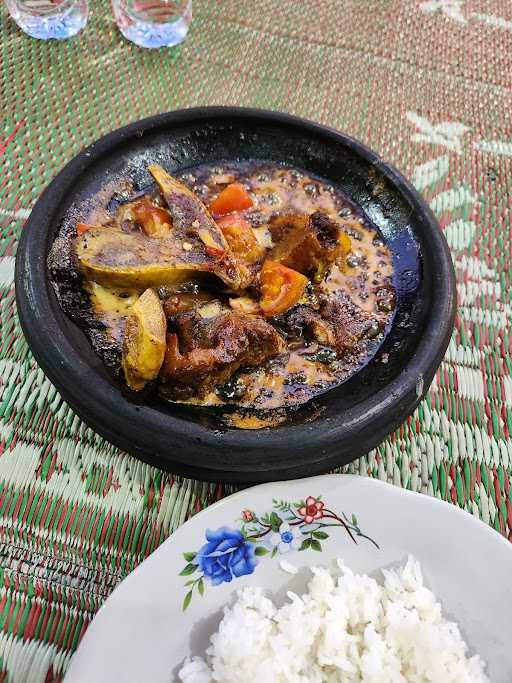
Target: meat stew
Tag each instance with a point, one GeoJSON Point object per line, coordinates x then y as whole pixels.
{"type": "Point", "coordinates": [242, 284]}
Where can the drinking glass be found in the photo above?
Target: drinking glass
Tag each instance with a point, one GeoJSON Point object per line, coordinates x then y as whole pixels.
{"type": "Point", "coordinates": [49, 18]}
{"type": "Point", "coordinates": [153, 23]}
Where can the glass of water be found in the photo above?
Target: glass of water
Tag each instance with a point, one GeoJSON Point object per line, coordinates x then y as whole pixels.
{"type": "Point", "coordinates": [153, 23]}
{"type": "Point", "coordinates": [49, 18]}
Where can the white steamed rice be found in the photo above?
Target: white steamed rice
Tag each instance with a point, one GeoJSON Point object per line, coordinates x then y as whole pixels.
{"type": "Point", "coordinates": [344, 629]}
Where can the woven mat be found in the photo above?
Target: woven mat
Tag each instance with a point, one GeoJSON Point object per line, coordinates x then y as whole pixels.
{"type": "Point", "coordinates": [426, 84]}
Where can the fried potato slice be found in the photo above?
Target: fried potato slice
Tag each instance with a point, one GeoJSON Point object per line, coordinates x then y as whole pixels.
{"type": "Point", "coordinates": [189, 215]}
{"type": "Point", "coordinates": [115, 258]}
{"type": "Point", "coordinates": [144, 342]}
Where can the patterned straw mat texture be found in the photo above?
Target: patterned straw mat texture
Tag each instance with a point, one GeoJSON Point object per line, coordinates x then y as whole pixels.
{"type": "Point", "coordinates": [426, 84]}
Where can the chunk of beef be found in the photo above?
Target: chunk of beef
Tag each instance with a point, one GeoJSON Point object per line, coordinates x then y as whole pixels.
{"type": "Point", "coordinates": [308, 244]}
{"type": "Point", "coordinates": [303, 321]}
{"type": "Point", "coordinates": [339, 323]}
{"type": "Point", "coordinates": [203, 352]}
{"type": "Point", "coordinates": [348, 322]}
{"type": "Point", "coordinates": [283, 227]}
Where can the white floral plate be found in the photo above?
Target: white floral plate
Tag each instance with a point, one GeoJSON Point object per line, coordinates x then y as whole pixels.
{"type": "Point", "coordinates": [168, 607]}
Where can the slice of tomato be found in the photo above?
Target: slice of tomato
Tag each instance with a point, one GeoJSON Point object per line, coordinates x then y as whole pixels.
{"type": "Point", "coordinates": [240, 237]}
{"type": "Point", "coordinates": [153, 220]}
{"type": "Point", "coordinates": [233, 198]}
{"type": "Point", "coordinates": [83, 227]}
{"type": "Point", "coordinates": [281, 288]}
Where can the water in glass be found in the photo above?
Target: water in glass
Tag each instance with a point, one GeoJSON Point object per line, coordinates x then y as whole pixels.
{"type": "Point", "coordinates": [49, 18]}
{"type": "Point", "coordinates": [153, 23]}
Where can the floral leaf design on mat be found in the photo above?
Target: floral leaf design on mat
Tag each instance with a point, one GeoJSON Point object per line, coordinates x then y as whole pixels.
{"type": "Point", "coordinates": [450, 8]}
{"type": "Point", "coordinates": [449, 134]}
{"type": "Point", "coordinates": [288, 526]}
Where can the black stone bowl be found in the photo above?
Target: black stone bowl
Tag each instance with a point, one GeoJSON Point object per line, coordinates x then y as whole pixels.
{"type": "Point", "coordinates": [333, 429]}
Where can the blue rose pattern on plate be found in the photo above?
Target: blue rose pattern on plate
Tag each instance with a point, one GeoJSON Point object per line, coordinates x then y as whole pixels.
{"type": "Point", "coordinates": [231, 553]}
{"type": "Point", "coordinates": [227, 554]}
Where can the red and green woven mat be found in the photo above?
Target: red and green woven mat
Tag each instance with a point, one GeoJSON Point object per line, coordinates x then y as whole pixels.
{"type": "Point", "coordinates": [428, 84]}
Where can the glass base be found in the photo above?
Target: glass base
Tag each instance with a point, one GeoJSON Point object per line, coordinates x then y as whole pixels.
{"type": "Point", "coordinates": [58, 27]}
{"type": "Point", "coordinates": [146, 34]}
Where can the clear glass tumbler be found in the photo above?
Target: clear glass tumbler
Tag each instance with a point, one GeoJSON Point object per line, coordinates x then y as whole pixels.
{"type": "Point", "coordinates": [49, 18]}
{"type": "Point", "coordinates": [153, 23]}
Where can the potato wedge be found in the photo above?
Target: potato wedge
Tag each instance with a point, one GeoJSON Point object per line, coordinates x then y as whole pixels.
{"type": "Point", "coordinates": [114, 258]}
{"type": "Point", "coordinates": [190, 216]}
{"type": "Point", "coordinates": [144, 340]}
{"type": "Point", "coordinates": [185, 208]}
